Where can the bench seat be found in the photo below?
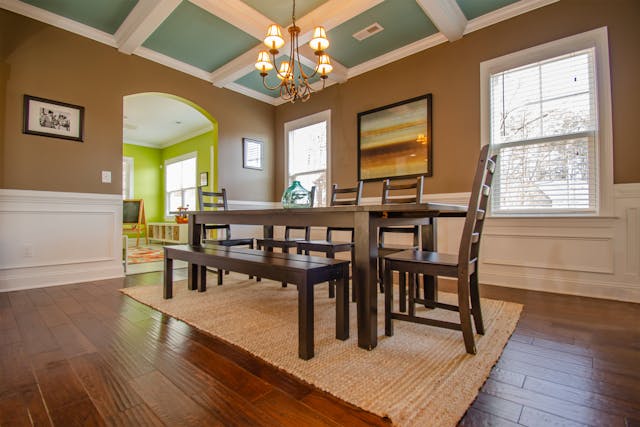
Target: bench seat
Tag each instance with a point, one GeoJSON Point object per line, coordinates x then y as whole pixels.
{"type": "Point", "coordinates": [303, 271]}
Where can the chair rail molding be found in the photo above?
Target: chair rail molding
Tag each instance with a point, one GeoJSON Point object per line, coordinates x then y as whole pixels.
{"type": "Point", "coordinates": [54, 238]}
{"type": "Point", "coordinates": [588, 256]}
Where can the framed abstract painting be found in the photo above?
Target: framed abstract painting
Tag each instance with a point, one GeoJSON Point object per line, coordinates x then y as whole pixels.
{"type": "Point", "coordinates": [394, 141]}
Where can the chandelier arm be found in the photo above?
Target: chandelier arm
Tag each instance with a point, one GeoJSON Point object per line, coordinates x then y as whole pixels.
{"type": "Point", "coordinates": [264, 83]}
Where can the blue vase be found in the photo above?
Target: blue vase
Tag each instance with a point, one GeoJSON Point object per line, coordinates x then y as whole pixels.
{"type": "Point", "coordinates": [295, 196]}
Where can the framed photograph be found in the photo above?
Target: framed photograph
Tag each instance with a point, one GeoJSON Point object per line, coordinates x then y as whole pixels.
{"type": "Point", "coordinates": [252, 154]}
{"type": "Point", "coordinates": [394, 141]}
{"type": "Point", "coordinates": [204, 179]}
{"type": "Point", "coordinates": [52, 118]}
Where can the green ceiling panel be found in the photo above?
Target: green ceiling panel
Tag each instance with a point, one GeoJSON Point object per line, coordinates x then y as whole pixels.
{"type": "Point", "coordinates": [403, 21]}
{"type": "Point", "coordinates": [474, 8]}
{"type": "Point", "coordinates": [279, 11]}
{"type": "Point", "coordinates": [196, 37]}
{"type": "Point", "coordinates": [253, 80]}
{"type": "Point", "coordinates": [105, 15]}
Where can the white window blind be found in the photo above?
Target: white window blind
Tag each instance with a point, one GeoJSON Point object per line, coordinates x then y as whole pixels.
{"type": "Point", "coordinates": [180, 184]}
{"type": "Point", "coordinates": [544, 127]}
{"type": "Point", "coordinates": [307, 158]}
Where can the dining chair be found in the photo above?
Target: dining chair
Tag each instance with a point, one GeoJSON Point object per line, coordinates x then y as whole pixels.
{"type": "Point", "coordinates": [289, 241]}
{"type": "Point", "coordinates": [390, 196]}
{"type": "Point", "coordinates": [348, 197]}
{"type": "Point", "coordinates": [464, 266]}
{"type": "Point", "coordinates": [209, 200]}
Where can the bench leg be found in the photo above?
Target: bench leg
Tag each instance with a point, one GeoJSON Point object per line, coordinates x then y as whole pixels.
{"type": "Point", "coordinates": [192, 284]}
{"type": "Point", "coordinates": [305, 321]}
{"type": "Point", "coordinates": [342, 305]}
{"type": "Point", "coordinates": [168, 278]}
{"type": "Point", "coordinates": [202, 279]}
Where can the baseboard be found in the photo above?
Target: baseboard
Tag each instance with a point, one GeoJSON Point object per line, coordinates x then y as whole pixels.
{"type": "Point", "coordinates": [40, 277]}
{"type": "Point", "coordinates": [618, 291]}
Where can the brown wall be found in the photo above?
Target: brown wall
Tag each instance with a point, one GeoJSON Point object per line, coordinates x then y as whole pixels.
{"type": "Point", "coordinates": [451, 72]}
{"type": "Point", "coordinates": [44, 61]}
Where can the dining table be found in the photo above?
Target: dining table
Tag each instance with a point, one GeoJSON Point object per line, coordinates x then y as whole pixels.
{"type": "Point", "coordinates": [365, 220]}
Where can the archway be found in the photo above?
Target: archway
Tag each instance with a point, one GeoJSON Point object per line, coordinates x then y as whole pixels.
{"type": "Point", "coordinates": [160, 133]}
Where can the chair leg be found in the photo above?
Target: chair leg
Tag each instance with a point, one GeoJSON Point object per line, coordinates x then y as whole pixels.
{"type": "Point", "coordinates": [259, 247]}
{"type": "Point", "coordinates": [402, 292]}
{"type": "Point", "coordinates": [381, 274]}
{"type": "Point", "coordinates": [465, 314]}
{"type": "Point", "coordinates": [220, 273]}
{"type": "Point", "coordinates": [412, 295]}
{"type": "Point", "coordinates": [354, 279]}
{"type": "Point", "coordinates": [285, 251]}
{"type": "Point", "coordinates": [388, 301]}
{"type": "Point", "coordinates": [475, 303]}
{"type": "Point", "coordinates": [332, 283]}
{"type": "Point", "coordinates": [251, 247]}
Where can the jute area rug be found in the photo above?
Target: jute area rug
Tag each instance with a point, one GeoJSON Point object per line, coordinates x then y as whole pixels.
{"type": "Point", "coordinates": [421, 376]}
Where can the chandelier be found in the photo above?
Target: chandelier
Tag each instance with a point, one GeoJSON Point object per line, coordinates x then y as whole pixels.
{"type": "Point", "coordinates": [294, 82]}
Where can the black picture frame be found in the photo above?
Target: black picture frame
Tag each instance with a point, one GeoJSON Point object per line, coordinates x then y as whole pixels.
{"type": "Point", "coordinates": [204, 179]}
{"type": "Point", "coordinates": [55, 119]}
{"type": "Point", "coordinates": [395, 140]}
{"type": "Point", "coordinates": [252, 154]}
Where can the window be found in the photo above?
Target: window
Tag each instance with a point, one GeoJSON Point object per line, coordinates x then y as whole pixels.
{"type": "Point", "coordinates": [544, 119]}
{"type": "Point", "coordinates": [307, 147]}
{"type": "Point", "coordinates": [127, 177]}
{"type": "Point", "coordinates": [180, 183]}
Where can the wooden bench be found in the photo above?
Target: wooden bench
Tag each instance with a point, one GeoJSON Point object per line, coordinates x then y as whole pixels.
{"type": "Point", "coordinates": [301, 270]}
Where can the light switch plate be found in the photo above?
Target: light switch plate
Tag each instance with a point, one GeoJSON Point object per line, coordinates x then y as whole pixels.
{"type": "Point", "coordinates": [106, 177]}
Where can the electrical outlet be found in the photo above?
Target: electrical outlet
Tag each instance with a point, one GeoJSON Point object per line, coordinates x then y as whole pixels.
{"type": "Point", "coordinates": [106, 177]}
{"type": "Point", "coordinates": [28, 251]}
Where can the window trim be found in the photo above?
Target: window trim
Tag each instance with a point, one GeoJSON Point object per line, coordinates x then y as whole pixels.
{"type": "Point", "coordinates": [191, 155]}
{"type": "Point", "coordinates": [130, 161]}
{"type": "Point", "coordinates": [597, 39]}
{"type": "Point", "coordinates": [322, 116]}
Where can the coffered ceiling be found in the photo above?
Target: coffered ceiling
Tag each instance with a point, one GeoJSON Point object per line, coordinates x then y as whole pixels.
{"type": "Point", "coordinates": [218, 40]}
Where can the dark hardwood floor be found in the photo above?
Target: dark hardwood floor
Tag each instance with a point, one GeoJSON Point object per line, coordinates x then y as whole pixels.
{"type": "Point", "coordinates": [84, 354]}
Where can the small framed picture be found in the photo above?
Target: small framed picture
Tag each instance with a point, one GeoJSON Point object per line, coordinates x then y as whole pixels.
{"type": "Point", "coordinates": [204, 179]}
{"type": "Point", "coordinates": [55, 119]}
{"type": "Point", "coordinates": [252, 154]}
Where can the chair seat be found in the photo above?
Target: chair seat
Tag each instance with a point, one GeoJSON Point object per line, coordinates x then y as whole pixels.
{"type": "Point", "coordinates": [390, 249]}
{"type": "Point", "coordinates": [324, 245]}
{"type": "Point", "coordinates": [424, 257]}
{"type": "Point", "coordinates": [277, 243]}
{"type": "Point", "coordinates": [230, 242]}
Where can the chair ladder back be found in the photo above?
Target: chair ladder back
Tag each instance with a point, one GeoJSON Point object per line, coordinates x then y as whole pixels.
{"type": "Point", "coordinates": [388, 187]}
{"type": "Point", "coordinates": [354, 194]}
{"type": "Point", "coordinates": [387, 199]}
{"type": "Point", "coordinates": [476, 214]}
{"type": "Point", "coordinates": [305, 228]}
{"type": "Point", "coordinates": [218, 200]}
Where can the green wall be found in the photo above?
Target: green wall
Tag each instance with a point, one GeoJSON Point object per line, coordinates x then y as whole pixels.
{"type": "Point", "coordinates": [147, 179]}
{"type": "Point", "coordinates": [148, 170]}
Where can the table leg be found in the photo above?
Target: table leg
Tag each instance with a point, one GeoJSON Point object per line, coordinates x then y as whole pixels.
{"type": "Point", "coordinates": [430, 243]}
{"type": "Point", "coordinates": [168, 278]}
{"type": "Point", "coordinates": [365, 265]}
{"type": "Point", "coordinates": [267, 232]}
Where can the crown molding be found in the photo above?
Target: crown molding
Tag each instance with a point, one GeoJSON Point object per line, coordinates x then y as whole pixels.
{"type": "Point", "coordinates": [252, 93]}
{"type": "Point", "coordinates": [395, 55]}
{"type": "Point", "coordinates": [504, 13]}
{"type": "Point", "coordinates": [58, 21]}
{"type": "Point", "coordinates": [168, 143]}
{"type": "Point", "coordinates": [167, 61]}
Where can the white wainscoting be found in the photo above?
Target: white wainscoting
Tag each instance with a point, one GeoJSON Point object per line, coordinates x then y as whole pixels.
{"type": "Point", "coordinates": [52, 238]}
{"type": "Point", "coordinates": [77, 237]}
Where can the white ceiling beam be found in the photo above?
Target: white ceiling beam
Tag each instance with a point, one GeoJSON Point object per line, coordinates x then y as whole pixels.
{"type": "Point", "coordinates": [446, 16]}
{"type": "Point", "coordinates": [143, 20]}
{"type": "Point", "coordinates": [238, 14]}
{"type": "Point", "coordinates": [329, 15]}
